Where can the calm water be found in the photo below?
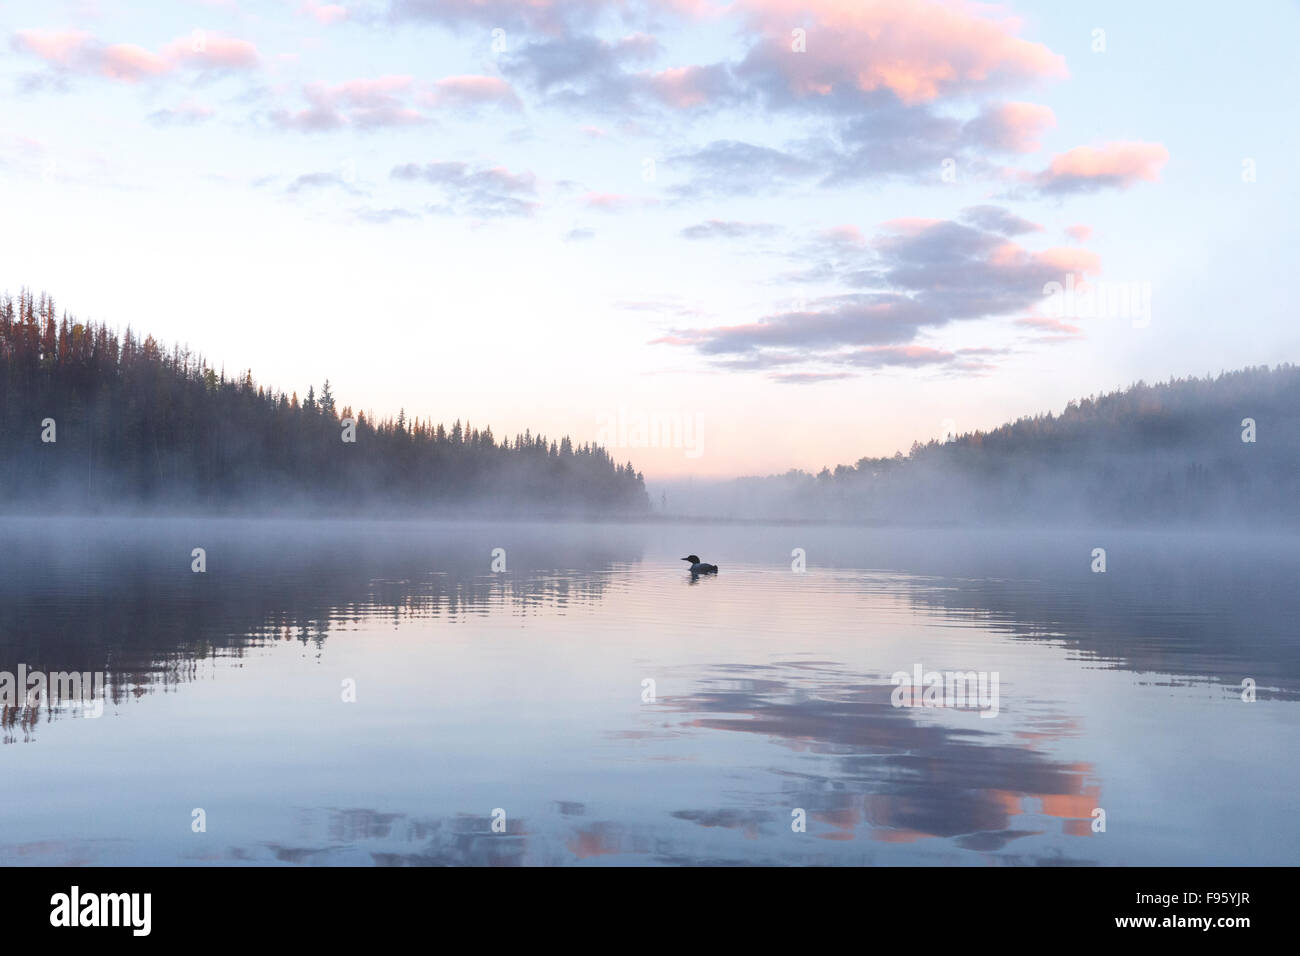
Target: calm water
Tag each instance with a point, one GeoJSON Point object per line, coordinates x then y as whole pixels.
{"type": "Point", "coordinates": [523, 690]}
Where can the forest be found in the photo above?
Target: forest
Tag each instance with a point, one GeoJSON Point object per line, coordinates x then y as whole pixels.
{"type": "Point", "coordinates": [1221, 449]}
{"type": "Point", "coordinates": [93, 420]}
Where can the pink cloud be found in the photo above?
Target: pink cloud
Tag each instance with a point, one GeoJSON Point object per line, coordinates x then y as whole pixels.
{"type": "Point", "coordinates": [605, 200]}
{"type": "Point", "coordinates": [913, 352]}
{"type": "Point", "coordinates": [916, 356]}
{"type": "Point", "coordinates": [1014, 127]}
{"type": "Point", "coordinates": [364, 93]}
{"type": "Point", "coordinates": [363, 103]}
{"type": "Point", "coordinates": [471, 90]}
{"type": "Point", "coordinates": [697, 9]}
{"type": "Point", "coordinates": [1050, 325]}
{"type": "Point", "coordinates": [1070, 260]}
{"type": "Point", "coordinates": [1085, 168]}
{"type": "Point", "coordinates": [808, 378]}
{"type": "Point", "coordinates": [844, 234]}
{"type": "Point", "coordinates": [324, 13]}
{"type": "Point", "coordinates": [1079, 232]}
{"type": "Point", "coordinates": [612, 202]}
{"type": "Point", "coordinates": [916, 49]}
{"type": "Point", "coordinates": [127, 62]}
{"type": "Point", "coordinates": [681, 87]}
{"type": "Point", "coordinates": [681, 339]}
{"type": "Point", "coordinates": [79, 52]}
{"type": "Point", "coordinates": [60, 47]}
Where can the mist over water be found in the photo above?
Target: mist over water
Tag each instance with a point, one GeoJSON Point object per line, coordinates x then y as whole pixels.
{"type": "Point", "coordinates": [524, 690]}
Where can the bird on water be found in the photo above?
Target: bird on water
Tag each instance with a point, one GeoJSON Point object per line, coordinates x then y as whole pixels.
{"type": "Point", "coordinates": [699, 567]}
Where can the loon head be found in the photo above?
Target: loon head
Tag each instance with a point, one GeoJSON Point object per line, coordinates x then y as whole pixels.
{"type": "Point", "coordinates": [693, 558]}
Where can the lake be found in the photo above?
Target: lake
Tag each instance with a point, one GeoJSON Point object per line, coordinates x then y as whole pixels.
{"type": "Point", "coordinates": [375, 693]}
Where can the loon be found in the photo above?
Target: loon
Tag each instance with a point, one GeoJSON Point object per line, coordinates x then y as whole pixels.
{"type": "Point", "coordinates": [699, 567]}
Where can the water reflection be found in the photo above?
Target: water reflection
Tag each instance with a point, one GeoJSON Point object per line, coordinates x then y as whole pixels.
{"type": "Point", "coordinates": [902, 779]}
{"type": "Point", "coordinates": [521, 690]}
{"type": "Point", "coordinates": [119, 597]}
{"type": "Point", "coordinates": [1233, 622]}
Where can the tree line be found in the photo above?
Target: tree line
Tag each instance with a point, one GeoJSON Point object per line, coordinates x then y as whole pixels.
{"type": "Point", "coordinates": [1222, 448]}
{"type": "Point", "coordinates": [90, 418]}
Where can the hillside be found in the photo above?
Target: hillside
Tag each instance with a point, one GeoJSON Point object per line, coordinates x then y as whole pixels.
{"type": "Point", "coordinates": [1147, 454]}
{"type": "Point", "coordinates": [136, 426]}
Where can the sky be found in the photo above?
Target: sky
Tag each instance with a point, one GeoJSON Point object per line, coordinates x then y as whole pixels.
{"type": "Point", "coordinates": [720, 238]}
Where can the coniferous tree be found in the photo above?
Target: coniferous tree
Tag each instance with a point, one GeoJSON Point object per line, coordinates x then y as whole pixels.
{"type": "Point", "coordinates": [140, 425]}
